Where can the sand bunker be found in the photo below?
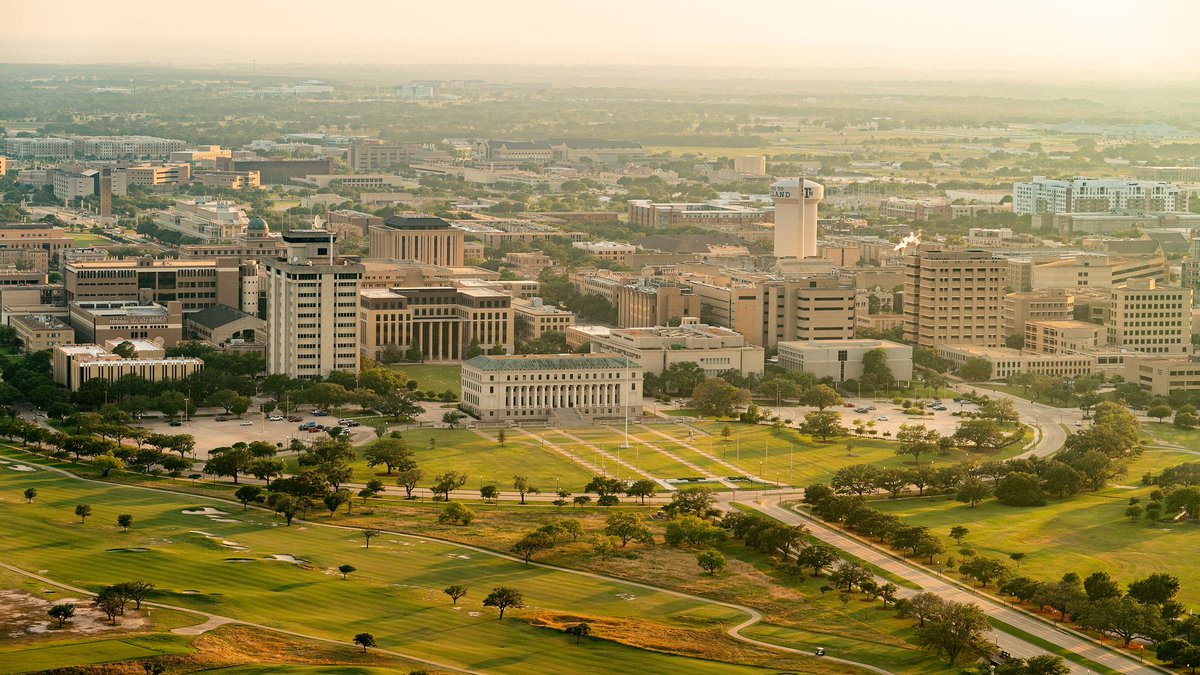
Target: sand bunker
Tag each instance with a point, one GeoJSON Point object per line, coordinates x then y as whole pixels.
{"type": "Point", "coordinates": [206, 511]}
{"type": "Point", "coordinates": [23, 614]}
{"type": "Point", "coordinates": [22, 467]}
{"type": "Point", "coordinates": [284, 557]}
{"type": "Point", "coordinates": [239, 560]}
{"type": "Point", "coordinates": [224, 520]}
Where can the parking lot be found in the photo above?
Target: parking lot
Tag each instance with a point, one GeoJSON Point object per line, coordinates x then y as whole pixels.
{"type": "Point", "coordinates": [943, 422]}
{"type": "Point", "coordinates": [209, 433]}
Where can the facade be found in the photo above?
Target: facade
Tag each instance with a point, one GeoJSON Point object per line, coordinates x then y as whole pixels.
{"type": "Point", "coordinates": [533, 318]}
{"type": "Point", "coordinates": [713, 348]}
{"type": "Point", "coordinates": [1064, 337]}
{"type": "Point", "coordinates": [442, 321]}
{"type": "Point", "coordinates": [754, 165]}
{"type": "Point", "coordinates": [1146, 317]}
{"type": "Point", "coordinates": [38, 148]}
{"type": "Point", "coordinates": [312, 308]}
{"type": "Point", "coordinates": [842, 360]}
{"type": "Point", "coordinates": [256, 243]}
{"type": "Point", "coordinates": [427, 239]}
{"type": "Point", "coordinates": [1102, 271]}
{"type": "Point", "coordinates": [97, 321]}
{"type": "Point", "coordinates": [75, 183]}
{"type": "Point", "coordinates": [208, 220]}
{"type": "Point", "coordinates": [374, 156]}
{"type": "Point", "coordinates": [1006, 362]}
{"type": "Point", "coordinates": [195, 283]}
{"type": "Point", "coordinates": [952, 297]}
{"type": "Point", "coordinates": [39, 332]}
{"type": "Point", "coordinates": [75, 364]}
{"type": "Point", "coordinates": [221, 325]}
{"type": "Point", "coordinates": [125, 147]}
{"type": "Point", "coordinates": [1048, 304]}
{"type": "Point", "coordinates": [704, 214]}
{"type": "Point", "coordinates": [230, 180]}
{"type": "Point", "coordinates": [275, 171]}
{"type": "Point", "coordinates": [512, 154]}
{"type": "Point", "coordinates": [606, 250]}
{"type": "Point", "coordinates": [352, 223]}
{"type": "Point", "coordinates": [647, 303]}
{"type": "Point", "coordinates": [1163, 376]}
{"type": "Point", "coordinates": [604, 283]}
{"type": "Point", "coordinates": [594, 150]}
{"type": "Point", "coordinates": [25, 260]}
{"type": "Point", "coordinates": [536, 387]}
{"type": "Point", "coordinates": [1043, 195]}
{"type": "Point", "coordinates": [153, 176]}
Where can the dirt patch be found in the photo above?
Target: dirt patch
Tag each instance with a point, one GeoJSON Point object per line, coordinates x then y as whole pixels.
{"type": "Point", "coordinates": [23, 615]}
{"type": "Point", "coordinates": [712, 644]}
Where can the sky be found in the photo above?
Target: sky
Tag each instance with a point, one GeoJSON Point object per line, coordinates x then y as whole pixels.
{"type": "Point", "coordinates": [1046, 36]}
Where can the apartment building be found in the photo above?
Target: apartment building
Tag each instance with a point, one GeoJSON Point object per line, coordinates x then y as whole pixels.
{"type": "Point", "coordinates": [841, 360]}
{"type": "Point", "coordinates": [125, 147]}
{"type": "Point", "coordinates": [493, 233]}
{"type": "Point", "coordinates": [1043, 195]}
{"type": "Point", "coordinates": [98, 321]}
{"type": "Point", "coordinates": [952, 297]}
{"type": "Point", "coordinates": [312, 308]}
{"type": "Point", "coordinates": [1147, 317]}
{"type": "Point", "coordinates": [442, 321]}
{"type": "Point", "coordinates": [533, 318]}
{"type": "Point", "coordinates": [75, 364]}
{"type": "Point", "coordinates": [713, 214]}
{"type": "Point", "coordinates": [38, 148]}
{"type": "Point", "coordinates": [195, 283]}
{"type": "Point", "coordinates": [561, 388]}
{"type": "Point", "coordinates": [1047, 304]}
{"type": "Point", "coordinates": [653, 303]}
{"type": "Point", "coordinates": [657, 348]}
{"type": "Point", "coordinates": [427, 239]}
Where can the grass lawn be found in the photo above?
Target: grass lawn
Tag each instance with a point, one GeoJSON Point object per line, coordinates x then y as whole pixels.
{"type": "Point", "coordinates": [1085, 534]}
{"type": "Point", "coordinates": [436, 376]}
{"type": "Point", "coordinates": [1167, 433]}
{"type": "Point", "coordinates": [395, 592]}
{"type": "Point", "coordinates": [85, 239]}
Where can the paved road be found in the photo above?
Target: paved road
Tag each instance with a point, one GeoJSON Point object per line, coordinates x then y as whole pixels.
{"type": "Point", "coordinates": [1048, 419]}
{"type": "Point", "coordinates": [933, 583]}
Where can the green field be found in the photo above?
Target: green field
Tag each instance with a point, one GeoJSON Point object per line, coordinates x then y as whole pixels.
{"type": "Point", "coordinates": [85, 239]}
{"type": "Point", "coordinates": [1085, 534]}
{"type": "Point", "coordinates": [436, 376]}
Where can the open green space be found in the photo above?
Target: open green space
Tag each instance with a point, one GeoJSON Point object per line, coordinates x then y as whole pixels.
{"type": "Point", "coordinates": [1085, 534]}
{"type": "Point", "coordinates": [1052, 648]}
{"type": "Point", "coordinates": [85, 239]}
{"type": "Point", "coordinates": [1166, 432]}
{"type": "Point", "coordinates": [62, 654]}
{"type": "Point", "coordinates": [227, 568]}
{"type": "Point", "coordinates": [436, 376]}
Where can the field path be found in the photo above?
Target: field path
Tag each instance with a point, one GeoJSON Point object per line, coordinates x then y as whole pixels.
{"type": "Point", "coordinates": [753, 616]}
{"type": "Point", "coordinates": [614, 459]}
{"type": "Point", "coordinates": [694, 448]}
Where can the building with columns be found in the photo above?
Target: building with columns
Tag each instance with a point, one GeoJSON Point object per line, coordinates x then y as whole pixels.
{"type": "Point", "coordinates": [561, 388]}
{"type": "Point", "coordinates": [442, 321]}
{"type": "Point", "coordinates": [424, 238]}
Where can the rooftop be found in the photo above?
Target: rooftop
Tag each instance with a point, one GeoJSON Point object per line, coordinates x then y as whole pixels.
{"type": "Point", "coordinates": [416, 223]}
{"type": "Point", "coordinates": [550, 362]}
{"type": "Point", "coordinates": [215, 316]}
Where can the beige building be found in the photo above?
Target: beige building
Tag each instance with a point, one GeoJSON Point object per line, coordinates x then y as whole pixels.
{"type": "Point", "coordinates": [195, 283]}
{"type": "Point", "coordinates": [31, 235]}
{"type": "Point", "coordinates": [1047, 304]}
{"type": "Point", "coordinates": [842, 360]}
{"type": "Point", "coordinates": [952, 297]}
{"type": "Point", "coordinates": [220, 325]}
{"type": "Point", "coordinates": [564, 389]}
{"type": "Point", "coordinates": [1103, 271]}
{"type": "Point", "coordinates": [442, 321]}
{"type": "Point", "coordinates": [1006, 362]}
{"type": "Point", "coordinates": [206, 219]}
{"type": "Point", "coordinates": [529, 263]}
{"type": "Point", "coordinates": [352, 223]}
{"type": "Point", "coordinates": [604, 283]}
{"type": "Point", "coordinates": [533, 318]}
{"type": "Point", "coordinates": [713, 348]}
{"type": "Point", "coordinates": [755, 165]}
{"type": "Point", "coordinates": [312, 308]}
{"type": "Point", "coordinates": [75, 364]}
{"type": "Point", "coordinates": [607, 250]}
{"type": "Point", "coordinates": [1147, 317]}
{"type": "Point", "coordinates": [230, 180]}
{"type": "Point", "coordinates": [654, 304]}
{"type": "Point", "coordinates": [1064, 337]}
{"type": "Point", "coordinates": [701, 214]}
{"type": "Point", "coordinates": [425, 238]}
{"type": "Point", "coordinates": [25, 259]}
{"type": "Point", "coordinates": [256, 243]}
{"type": "Point", "coordinates": [1163, 376]}
{"type": "Point", "coordinates": [39, 332]}
{"type": "Point", "coordinates": [99, 320]}
{"type": "Point", "coordinates": [372, 156]}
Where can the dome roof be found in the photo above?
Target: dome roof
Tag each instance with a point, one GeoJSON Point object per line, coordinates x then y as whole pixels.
{"type": "Point", "coordinates": [257, 224]}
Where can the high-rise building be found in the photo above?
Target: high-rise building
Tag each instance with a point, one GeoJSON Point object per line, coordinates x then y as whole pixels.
{"type": "Point", "coordinates": [1147, 317]}
{"type": "Point", "coordinates": [796, 202]}
{"type": "Point", "coordinates": [427, 239]}
{"type": "Point", "coordinates": [1077, 195]}
{"type": "Point", "coordinates": [952, 297]}
{"type": "Point", "coordinates": [312, 308]}
{"type": "Point", "coordinates": [106, 188]}
{"type": "Point", "coordinates": [1047, 304]}
{"type": "Point", "coordinates": [655, 304]}
{"type": "Point", "coordinates": [195, 283]}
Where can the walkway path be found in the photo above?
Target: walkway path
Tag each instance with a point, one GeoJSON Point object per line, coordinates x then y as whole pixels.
{"type": "Point", "coordinates": [617, 460]}
{"type": "Point", "coordinates": [676, 458]}
{"type": "Point", "coordinates": [696, 449]}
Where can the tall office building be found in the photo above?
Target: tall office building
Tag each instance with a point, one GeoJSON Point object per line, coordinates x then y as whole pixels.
{"type": "Point", "coordinates": [953, 297]}
{"type": "Point", "coordinates": [1147, 317]}
{"type": "Point", "coordinates": [312, 308]}
{"type": "Point", "coordinates": [425, 238]}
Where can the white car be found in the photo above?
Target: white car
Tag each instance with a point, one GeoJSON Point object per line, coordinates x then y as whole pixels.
{"type": "Point", "coordinates": [882, 418]}
{"type": "Point", "coordinates": [276, 418]}
{"type": "Point", "coordinates": [247, 423]}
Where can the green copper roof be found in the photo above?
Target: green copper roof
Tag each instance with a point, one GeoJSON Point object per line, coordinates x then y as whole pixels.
{"type": "Point", "coordinates": [549, 362]}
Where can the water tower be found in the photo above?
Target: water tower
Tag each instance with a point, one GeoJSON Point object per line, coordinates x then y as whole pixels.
{"type": "Point", "coordinates": [796, 202]}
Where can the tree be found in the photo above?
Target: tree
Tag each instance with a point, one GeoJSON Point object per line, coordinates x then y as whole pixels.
{"type": "Point", "coordinates": [135, 591]}
{"type": "Point", "coordinates": [522, 486]}
{"type": "Point", "coordinates": [489, 493]}
{"type": "Point", "coordinates": [501, 437]}
{"type": "Point", "coordinates": [876, 373]}
{"type": "Point", "coordinates": [124, 521]}
{"type": "Point", "coordinates": [922, 607]}
{"type": "Point", "coordinates": [710, 561]}
{"type": "Point", "coordinates": [821, 397]}
{"type": "Point", "coordinates": [1060, 480]}
{"type": "Point", "coordinates": [579, 630]}
{"type": "Point", "coordinates": [1100, 586]}
{"type": "Point", "coordinates": [682, 378]}
{"type": "Point", "coordinates": [1125, 617]}
{"type": "Point", "coordinates": [455, 592]}
{"type": "Point", "coordinates": [1159, 412]}
{"type": "Point", "coordinates": [531, 544]}
{"type": "Point", "coordinates": [980, 434]}
{"type": "Point", "coordinates": [849, 574]}
{"type": "Point", "coordinates": [445, 483]}
{"type": "Point", "coordinates": [642, 489]}
{"type": "Point", "coordinates": [696, 501]}
{"type": "Point", "coordinates": [887, 593]}
{"type": "Point", "coordinates": [228, 462]}
{"type": "Point", "coordinates": [971, 491]}
{"type": "Point", "coordinates": [816, 556]}
{"type": "Point", "coordinates": [976, 369]}
{"type": "Point", "coordinates": [1157, 589]}
{"type": "Point", "coordinates": [916, 440]}
{"type": "Point", "coordinates": [823, 424]}
{"type": "Point", "coordinates": [984, 570]}
{"type": "Point", "coordinates": [456, 513]}
{"type": "Point", "coordinates": [397, 403]}
{"type": "Point", "coordinates": [504, 597]}
{"type": "Point", "coordinates": [856, 478]}
{"type": "Point", "coordinates": [62, 612]}
{"type": "Point", "coordinates": [409, 479]}
{"type": "Point", "coordinates": [1020, 489]}
{"type": "Point", "coordinates": [108, 463]}
{"type": "Point", "coordinates": [627, 527]}
{"type": "Point", "coordinates": [956, 629]}
{"type": "Point", "coordinates": [30, 493]}
{"type": "Point", "coordinates": [247, 494]}
{"type": "Point", "coordinates": [83, 511]}
{"type": "Point", "coordinates": [393, 453]}
{"type": "Point", "coordinates": [692, 531]}
{"type": "Point", "coordinates": [110, 602]}
{"type": "Point", "coordinates": [346, 569]}
{"type": "Point", "coordinates": [715, 397]}
{"type": "Point", "coordinates": [333, 501]}
{"type": "Point", "coordinates": [958, 533]}
{"type": "Point", "coordinates": [365, 640]}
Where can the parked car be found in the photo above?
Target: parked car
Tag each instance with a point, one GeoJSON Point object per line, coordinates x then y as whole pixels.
{"type": "Point", "coordinates": [175, 423]}
{"type": "Point", "coordinates": [247, 423]}
{"type": "Point", "coordinates": [276, 418]}
{"type": "Point", "coordinates": [295, 418]}
{"type": "Point", "coordinates": [849, 405]}
{"type": "Point", "coordinates": [882, 418]}
{"type": "Point", "coordinates": [861, 410]}
{"type": "Point", "coordinates": [344, 422]}
{"type": "Point", "coordinates": [351, 423]}
{"type": "Point", "coordinates": [314, 430]}
{"type": "Point", "coordinates": [319, 413]}
{"type": "Point", "coordinates": [222, 419]}
{"type": "Point", "coordinates": [871, 407]}
{"type": "Point", "coordinates": [307, 425]}
{"type": "Point", "coordinates": [1079, 424]}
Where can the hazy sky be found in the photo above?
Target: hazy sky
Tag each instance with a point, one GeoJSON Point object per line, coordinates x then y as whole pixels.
{"type": "Point", "coordinates": [1085, 36]}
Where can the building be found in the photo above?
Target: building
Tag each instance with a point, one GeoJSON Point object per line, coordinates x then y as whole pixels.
{"type": "Point", "coordinates": [653, 303]}
{"type": "Point", "coordinates": [414, 90]}
{"type": "Point", "coordinates": [842, 360]}
{"type": "Point", "coordinates": [494, 232]}
{"type": "Point", "coordinates": [710, 214]}
{"type": "Point", "coordinates": [257, 242]}
{"type": "Point", "coordinates": [512, 154]}
{"type": "Point", "coordinates": [594, 150]}
{"type": "Point", "coordinates": [3, 166]}
{"type": "Point", "coordinates": [533, 318]}
{"type": "Point", "coordinates": [1047, 304]}
{"type": "Point", "coordinates": [1073, 224]}
{"type": "Point", "coordinates": [349, 223]}
{"type": "Point", "coordinates": [39, 332]}
{"type": "Point", "coordinates": [376, 155]}
{"type": "Point", "coordinates": [952, 297]}
{"type": "Point", "coordinates": [610, 251]}
{"type": "Point", "coordinates": [1147, 317]}
{"type": "Point", "coordinates": [1043, 195]}
{"type": "Point", "coordinates": [796, 201]}
{"type": "Point", "coordinates": [442, 321]}
{"type": "Point", "coordinates": [1064, 337]}
{"type": "Point", "coordinates": [24, 260]}
{"type": "Point", "coordinates": [229, 180]}
{"type": "Point", "coordinates": [75, 364]}
{"type": "Point", "coordinates": [427, 239]}
{"type": "Point", "coordinates": [754, 165]}
{"type": "Point", "coordinates": [312, 308]}
{"type": "Point", "coordinates": [1098, 270]}
{"type": "Point", "coordinates": [153, 176]}
{"type": "Point", "coordinates": [38, 148]}
{"type": "Point", "coordinates": [1163, 376]}
{"type": "Point", "coordinates": [604, 283]}
{"type": "Point", "coordinates": [655, 349]}
{"type": "Point", "coordinates": [1006, 362]}
{"type": "Point", "coordinates": [206, 154]}
{"type": "Point", "coordinates": [277, 171]}
{"type": "Point", "coordinates": [71, 183]}
{"type": "Point", "coordinates": [125, 147]}
{"type": "Point", "coordinates": [564, 389]}
{"type": "Point", "coordinates": [34, 235]}
{"type": "Point", "coordinates": [209, 220]}
{"type": "Point", "coordinates": [220, 325]}
{"type": "Point", "coordinates": [195, 283]}
{"type": "Point", "coordinates": [98, 321]}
